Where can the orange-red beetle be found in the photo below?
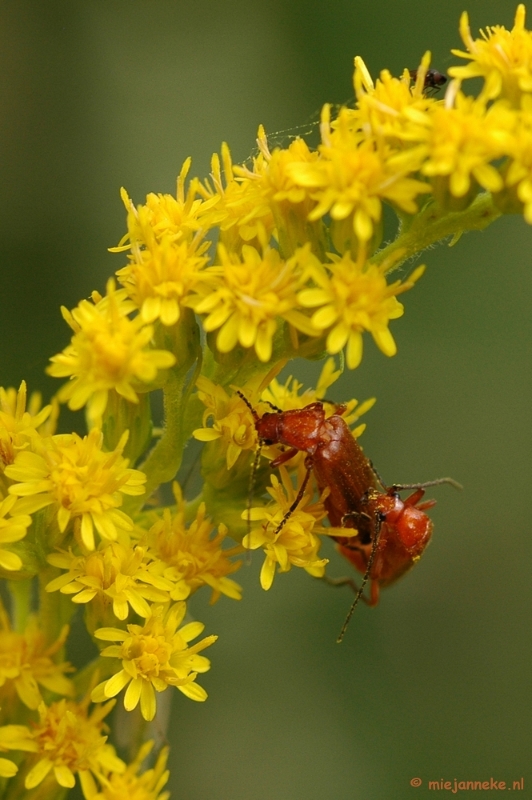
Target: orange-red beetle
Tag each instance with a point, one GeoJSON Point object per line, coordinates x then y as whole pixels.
{"type": "Point", "coordinates": [391, 533]}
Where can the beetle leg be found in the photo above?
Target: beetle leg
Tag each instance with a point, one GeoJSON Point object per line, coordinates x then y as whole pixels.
{"type": "Point", "coordinates": [298, 499]}
{"type": "Point", "coordinates": [286, 456]}
{"type": "Point", "coordinates": [374, 599]}
{"type": "Point", "coordinates": [346, 582]}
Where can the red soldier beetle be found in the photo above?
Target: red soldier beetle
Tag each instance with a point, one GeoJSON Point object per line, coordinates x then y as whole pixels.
{"type": "Point", "coordinates": [391, 533]}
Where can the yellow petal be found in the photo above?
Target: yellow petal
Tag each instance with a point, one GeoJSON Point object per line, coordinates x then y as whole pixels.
{"type": "Point", "coordinates": [10, 561]}
{"type": "Point", "coordinates": [64, 776]}
{"type": "Point", "coordinates": [132, 695]}
{"type": "Point", "coordinates": [39, 772]}
{"type": "Point", "coordinates": [7, 768]}
{"type": "Point", "coordinates": [247, 331]}
{"type": "Point", "coordinates": [337, 338]}
{"type": "Point", "coordinates": [385, 341]}
{"type": "Point", "coordinates": [148, 706]}
{"type": "Point", "coordinates": [354, 350]}
{"type": "Point", "coordinates": [267, 573]}
{"type": "Point", "coordinates": [228, 335]}
{"type": "Point", "coordinates": [115, 684]}
{"type": "Point", "coordinates": [206, 434]}
{"type": "Point", "coordinates": [263, 344]}
{"type": "Point", "coordinates": [325, 317]}
{"type": "Point", "coordinates": [194, 692]}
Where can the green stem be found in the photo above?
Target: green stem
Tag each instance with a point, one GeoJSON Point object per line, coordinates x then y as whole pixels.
{"type": "Point", "coordinates": [429, 227]}
{"type": "Point", "coordinates": [20, 592]}
{"type": "Point", "coordinates": [55, 609]}
{"type": "Point", "coordinates": [163, 462]}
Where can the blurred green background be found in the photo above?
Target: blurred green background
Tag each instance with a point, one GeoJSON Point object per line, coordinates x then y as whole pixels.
{"type": "Point", "coordinates": [435, 682]}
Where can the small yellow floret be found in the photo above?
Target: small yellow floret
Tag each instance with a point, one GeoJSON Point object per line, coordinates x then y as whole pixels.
{"type": "Point", "coordinates": [463, 142]}
{"type": "Point", "coordinates": [231, 423]}
{"type": "Point", "coordinates": [352, 298]}
{"type": "Point", "coordinates": [66, 741]}
{"type": "Point", "coordinates": [18, 425]}
{"type": "Point", "coordinates": [108, 351]}
{"type": "Point", "coordinates": [26, 663]}
{"type": "Point", "coordinates": [503, 58]}
{"type": "Point", "coordinates": [153, 657]}
{"type": "Point", "coordinates": [117, 575]}
{"type": "Point", "coordinates": [13, 528]}
{"type": "Point", "coordinates": [80, 480]}
{"type": "Point", "coordinates": [137, 782]}
{"type": "Point", "coordinates": [295, 544]}
{"type": "Point", "coordinates": [352, 178]}
{"type": "Point", "coordinates": [189, 557]}
{"type": "Point", "coordinates": [237, 205]}
{"type": "Point", "coordinates": [244, 297]}
{"type": "Point", "coordinates": [161, 277]}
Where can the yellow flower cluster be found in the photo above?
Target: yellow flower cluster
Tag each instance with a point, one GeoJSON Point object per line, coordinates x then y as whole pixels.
{"type": "Point", "coordinates": [202, 331]}
{"type": "Point", "coordinates": [64, 489]}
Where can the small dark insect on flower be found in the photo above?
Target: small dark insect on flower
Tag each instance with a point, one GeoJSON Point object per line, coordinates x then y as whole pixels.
{"type": "Point", "coordinates": [434, 80]}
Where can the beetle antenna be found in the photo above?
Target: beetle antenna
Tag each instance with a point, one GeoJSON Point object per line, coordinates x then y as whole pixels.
{"type": "Point", "coordinates": [251, 492]}
{"type": "Point", "coordinates": [364, 581]}
{"type": "Point", "coordinates": [399, 487]}
{"type": "Point", "coordinates": [275, 408]}
{"type": "Point", "coordinates": [246, 401]}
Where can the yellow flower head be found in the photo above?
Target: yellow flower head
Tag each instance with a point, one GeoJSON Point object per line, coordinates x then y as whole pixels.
{"type": "Point", "coordinates": [161, 277]}
{"type": "Point", "coordinates": [154, 656]}
{"type": "Point", "coordinates": [503, 58]}
{"type": "Point", "coordinates": [69, 742]}
{"type": "Point", "coordinates": [287, 396]}
{"type": "Point", "coordinates": [390, 110]}
{"type": "Point", "coordinates": [231, 423]}
{"type": "Point", "coordinates": [464, 139]}
{"type": "Point", "coordinates": [289, 202]}
{"type": "Point", "coordinates": [163, 216]}
{"type": "Point", "coordinates": [83, 483]}
{"type": "Point", "coordinates": [26, 663]}
{"type": "Point", "coordinates": [352, 178]}
{"type": "Point", "coordinates": [293, 545]}
{"type": "Point", "coordinates": [271, 173]}
{"type": "Point", "coordinates": [115, 574]}
{"type": "Point", "coordinates": [245, 297]}
{"type": "Point", "coordinates": [134, 783]}
{"type": "Point", "coordinates": [238, 206]}
{"type": "Point", "coordinates": [108, 351]}
{"type": "Point", "coordinates": [18, 425]}
{"type": "Point", "coordinates": [190, 557]}
{"type": "Point", "coordinates": [13, 528]}
{"type": "Point", "coordinates": [354, 297]}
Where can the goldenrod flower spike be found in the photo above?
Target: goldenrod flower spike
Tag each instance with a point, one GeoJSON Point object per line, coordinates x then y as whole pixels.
{"type": "Point", "coordinates": [289, 254]}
